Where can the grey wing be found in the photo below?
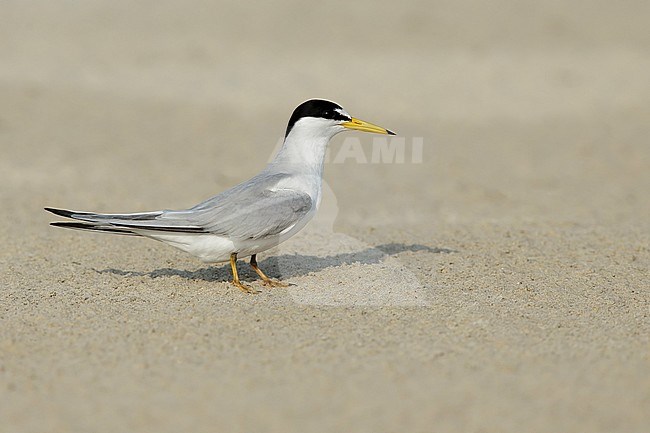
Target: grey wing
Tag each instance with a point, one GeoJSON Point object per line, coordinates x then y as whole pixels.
{"type": "Point", "coordinates": [250, 210]}
{"type": "Point", "coordinates": [267, 213]}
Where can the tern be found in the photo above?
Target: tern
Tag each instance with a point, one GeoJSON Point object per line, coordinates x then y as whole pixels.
{"type": "Point", "coordinates": [253, 216]}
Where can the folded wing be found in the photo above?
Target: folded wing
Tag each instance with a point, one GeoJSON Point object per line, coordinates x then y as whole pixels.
{"type": "Point", "coordinates": [249, 211]}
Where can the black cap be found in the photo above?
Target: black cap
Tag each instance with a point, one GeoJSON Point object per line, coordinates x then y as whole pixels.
{"type": "Point", "coordinates": [318, 108]}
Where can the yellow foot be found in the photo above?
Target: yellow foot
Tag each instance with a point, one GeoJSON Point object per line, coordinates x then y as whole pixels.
{"type": "Point", "coordinates": [244, 288]}
{"type": "Point", "coordinates": [266, 280]}
{"type": "Point", "coordinates": [272, 283]}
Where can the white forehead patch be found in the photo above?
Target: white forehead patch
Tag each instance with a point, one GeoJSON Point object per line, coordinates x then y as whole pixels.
{"type": "Point", "coordinates": [342, 112]}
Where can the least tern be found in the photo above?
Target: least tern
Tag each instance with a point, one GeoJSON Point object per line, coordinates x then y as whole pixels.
{"type": "Point", "coordinates": [253, 216]}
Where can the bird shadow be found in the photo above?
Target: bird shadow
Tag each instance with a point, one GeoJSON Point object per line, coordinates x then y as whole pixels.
{"type": "Point", "coordinates": [298, 265]}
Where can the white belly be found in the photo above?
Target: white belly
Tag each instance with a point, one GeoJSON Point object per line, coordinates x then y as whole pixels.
{"type": "Point", "coordinates": [208, 248]}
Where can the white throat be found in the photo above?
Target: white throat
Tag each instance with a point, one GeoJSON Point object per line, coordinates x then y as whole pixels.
{"type": "Point", "coordinates": [303, 155]}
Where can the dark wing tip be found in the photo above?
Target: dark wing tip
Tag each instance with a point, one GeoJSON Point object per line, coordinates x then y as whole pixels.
{"type": "Point", "coordinates": [59, 212]}
{"type": "Point", "coordinates": [71, 225]}
{"type": "Point", "coordinates": [389, 132]}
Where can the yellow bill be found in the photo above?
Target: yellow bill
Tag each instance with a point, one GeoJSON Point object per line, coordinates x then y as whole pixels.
{"type": "Point", "coordinates": [362, 125]}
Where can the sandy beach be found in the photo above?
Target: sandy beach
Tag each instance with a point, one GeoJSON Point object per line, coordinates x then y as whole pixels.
{"type": "Point", "coordinates": [491, 274]}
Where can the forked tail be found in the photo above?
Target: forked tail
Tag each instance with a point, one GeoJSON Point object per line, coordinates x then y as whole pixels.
{"type": "Point", "coordinates": [96, 222]}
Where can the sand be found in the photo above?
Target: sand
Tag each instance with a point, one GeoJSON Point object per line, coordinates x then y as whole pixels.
{"type": "Point", "coordinates": [497, 283]}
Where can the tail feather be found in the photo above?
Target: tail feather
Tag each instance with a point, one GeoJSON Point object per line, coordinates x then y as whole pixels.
{"type": "Point", "coordinates": [93, 227]}
{"type": "Point", "coordinates": [98, 222]}
{"type": "Point", "coordinates": [92, 216]}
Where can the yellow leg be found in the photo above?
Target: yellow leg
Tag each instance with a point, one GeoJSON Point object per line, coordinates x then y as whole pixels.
{"type": "Point", "coordinates": [235, 277]}
{"type": "Point", "coordinates": [267, 280]}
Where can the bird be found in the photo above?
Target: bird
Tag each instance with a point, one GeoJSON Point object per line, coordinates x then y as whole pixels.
{"type": "Point", "coordinates": [253, 216]}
